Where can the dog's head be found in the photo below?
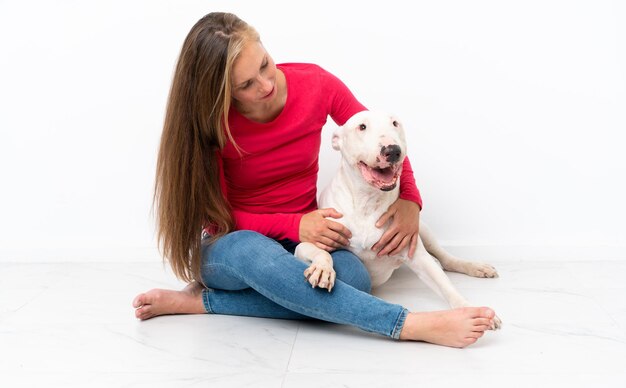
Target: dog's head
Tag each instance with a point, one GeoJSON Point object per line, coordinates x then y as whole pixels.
{"type": "Point", "coordinates": [373, 143]}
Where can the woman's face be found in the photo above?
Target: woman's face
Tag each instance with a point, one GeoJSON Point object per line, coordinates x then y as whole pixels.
{"type": "Point", "coordinates": [254, 76]}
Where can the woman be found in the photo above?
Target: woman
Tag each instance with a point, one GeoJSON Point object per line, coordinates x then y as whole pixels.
{"type": "Point", "coordinates": [239, 159]}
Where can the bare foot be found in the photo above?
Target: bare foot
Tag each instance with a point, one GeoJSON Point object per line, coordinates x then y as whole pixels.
{"type": "Point", "coordinates": [456, 328]}
{"type": "Point", "coordinates": [160, 302]}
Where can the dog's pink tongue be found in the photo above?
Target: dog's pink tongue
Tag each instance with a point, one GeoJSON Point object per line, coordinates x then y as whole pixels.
{"type": "Point", "coordinates": [384, 175]}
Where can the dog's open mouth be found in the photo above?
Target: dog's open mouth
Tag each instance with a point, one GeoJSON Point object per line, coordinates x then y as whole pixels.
{"type": "Point", "coordinates": [384, 179]}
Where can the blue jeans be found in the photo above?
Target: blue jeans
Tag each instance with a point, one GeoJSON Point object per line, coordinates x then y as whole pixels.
{"type": "Point", "coordinates": [252, 275]}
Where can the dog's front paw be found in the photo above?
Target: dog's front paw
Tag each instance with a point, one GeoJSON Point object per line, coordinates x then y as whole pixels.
{"type": "Point", "coordinates": [497, 323]}
{"type": "Point", "coordinates": [321, 275]}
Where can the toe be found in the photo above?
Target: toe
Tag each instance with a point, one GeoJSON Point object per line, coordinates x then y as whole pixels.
{"type": "Point", "coordinates": [492, 274]}
{"type": "Point", "coordinates": [468, 341]}
{"type": "Point", "coordinates": [485, 271]}
{"type": "Point", "coordinates": [139, 300]}
{"type": "Point", "coordinates": [477, 334]}
{"type": "Point", "coordinates": [478, 312]}
{"type": "Point", "coordinates": [141, 312]}
{"type": "Point", "coordinates": [482, 321]}
{"type": "Point", "coordinates": [486, 312]}
{"type": "Point", "coordinates": [324, 279]}
{"type": "Point", "coordinates": [147, 312]}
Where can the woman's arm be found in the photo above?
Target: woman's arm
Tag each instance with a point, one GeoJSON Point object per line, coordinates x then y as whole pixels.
{"type": "Point", "coordinates": [311, 227]}
{"type": "Point", "coordinates": [408, 188]}
{"type": "Point", "coordinates": [278, 226]}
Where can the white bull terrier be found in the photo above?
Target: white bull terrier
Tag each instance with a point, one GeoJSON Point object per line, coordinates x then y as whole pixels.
{"type": "Point", "coordinates": [373, 147]}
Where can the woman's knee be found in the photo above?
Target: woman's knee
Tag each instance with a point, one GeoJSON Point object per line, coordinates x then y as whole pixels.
{"type": "Point", "coordinates": [244, 239]}
{"type": "Point", "coordinates": [226, 261]}
{"type": "Point", "coordinates": [240, 244]}
{"type": "Point", "coordinates": [351, 270]}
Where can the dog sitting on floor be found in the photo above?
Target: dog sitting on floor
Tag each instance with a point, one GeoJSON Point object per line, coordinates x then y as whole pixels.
{"type": "Point", "coordinates": [373, 147]}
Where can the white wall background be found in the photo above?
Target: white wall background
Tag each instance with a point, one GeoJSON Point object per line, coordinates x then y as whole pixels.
{"type": "Point", "coordinates": [516, 115]}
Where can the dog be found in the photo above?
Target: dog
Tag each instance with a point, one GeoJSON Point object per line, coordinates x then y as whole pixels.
{"type": "Point", "coordinates": [373, 147]}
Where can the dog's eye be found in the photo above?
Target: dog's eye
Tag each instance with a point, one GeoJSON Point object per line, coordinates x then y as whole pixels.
{"type": "Point", "coordinates": [362, 127]}
{"type": "Point", "coordinates": [395, 123]}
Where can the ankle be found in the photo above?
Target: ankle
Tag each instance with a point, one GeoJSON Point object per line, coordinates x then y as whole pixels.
{"type": "Point", "coordinates": [410, 330]}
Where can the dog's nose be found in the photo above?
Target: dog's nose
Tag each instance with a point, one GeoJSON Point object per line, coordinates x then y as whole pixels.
{"type": "Point", "coordinates": [391, 153]}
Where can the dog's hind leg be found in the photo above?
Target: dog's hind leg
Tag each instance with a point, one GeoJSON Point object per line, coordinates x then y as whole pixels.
{"type": "Point", "coordinates": [320, 272]}
{"type": "Point", "coordinates": [453, 263]}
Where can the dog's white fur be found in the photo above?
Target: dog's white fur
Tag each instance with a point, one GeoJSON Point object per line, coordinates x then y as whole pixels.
{"type": "Point", "coordinates": [373, 147]}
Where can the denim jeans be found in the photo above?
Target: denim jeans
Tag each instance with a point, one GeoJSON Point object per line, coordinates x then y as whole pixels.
{"type": "Point", "coordinates": [250, 274]}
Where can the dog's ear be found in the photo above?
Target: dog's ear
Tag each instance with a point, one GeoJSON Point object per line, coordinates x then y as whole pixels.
{"type": "Point", "coordinates": [337, 138]}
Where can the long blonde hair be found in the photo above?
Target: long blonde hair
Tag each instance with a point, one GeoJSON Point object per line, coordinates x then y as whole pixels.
{"type": "Point", "coordinates": [188, 194]}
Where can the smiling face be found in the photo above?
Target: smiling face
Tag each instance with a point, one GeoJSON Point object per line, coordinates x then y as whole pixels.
{"type": "Point", "coordinates": [253, 77]}
{"type": "Point", "coordinates": [374, 144]}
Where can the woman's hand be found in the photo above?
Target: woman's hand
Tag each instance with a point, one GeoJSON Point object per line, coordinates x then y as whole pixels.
{"type": "Point", "coordinates": [403, 231]}
{"type": "Point", "coordinates": [325, 234]}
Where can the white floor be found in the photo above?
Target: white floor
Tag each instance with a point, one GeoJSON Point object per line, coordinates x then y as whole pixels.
{"type": "Point", "coordinates": [72, 325]}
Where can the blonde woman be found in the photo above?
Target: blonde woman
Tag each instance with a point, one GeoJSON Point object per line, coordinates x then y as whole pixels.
{"type": "Point", "coordinates": [236, 191]}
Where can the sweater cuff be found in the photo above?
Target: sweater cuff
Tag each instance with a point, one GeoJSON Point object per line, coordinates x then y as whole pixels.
{"type": "Point", "coordinates": [413, 198]}
{"type": "Point", "coordinates": [293, 232]}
